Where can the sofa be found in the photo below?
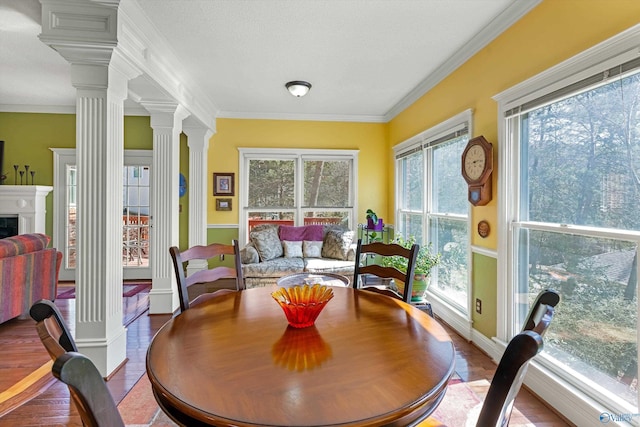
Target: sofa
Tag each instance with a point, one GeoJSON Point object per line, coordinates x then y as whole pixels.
{"type": "Point", "coordinates": [276, 250]}
{"type": "Point", "coordinates": [28, 273]}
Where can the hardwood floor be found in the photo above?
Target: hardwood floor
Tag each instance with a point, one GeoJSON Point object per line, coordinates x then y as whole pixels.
{"type": "Point", "coordinates": [23, 354]}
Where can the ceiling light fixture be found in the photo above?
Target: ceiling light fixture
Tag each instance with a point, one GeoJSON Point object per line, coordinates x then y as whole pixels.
{"type": "Point", "coordinates": [298, 88]}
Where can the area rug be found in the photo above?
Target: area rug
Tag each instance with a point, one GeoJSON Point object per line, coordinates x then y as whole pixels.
{"type": "Point", "coordinates": [458, 403]}
{"type": "Point", "coordinates": [128, 290]}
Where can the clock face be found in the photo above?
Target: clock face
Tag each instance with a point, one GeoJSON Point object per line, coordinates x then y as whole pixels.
{"type": "Point", "coordinates": [474, 162]}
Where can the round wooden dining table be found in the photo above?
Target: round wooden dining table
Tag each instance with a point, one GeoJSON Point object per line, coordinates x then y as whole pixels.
{"type": "Point", "coordinates": [369, 360]}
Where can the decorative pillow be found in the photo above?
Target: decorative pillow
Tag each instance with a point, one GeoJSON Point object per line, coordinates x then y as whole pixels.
{"type": "Point", "coordinates": [298, 234]}
{"type": "Point", "coordinates": [249, 254]}
{"type": "Point", "coordinates": [336, 244]}
{"type": "Point", "coordinates": [311, 249]}
{"type": "Point", "coordinates": [267, 243]}
{"type": "Point", "coordinates": [292, 249]}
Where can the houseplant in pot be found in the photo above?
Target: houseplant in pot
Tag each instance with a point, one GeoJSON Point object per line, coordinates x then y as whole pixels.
{"type": "Point", "coordinates": [425, 261]}
{"type": "Point", "coordinates": [373, 222]}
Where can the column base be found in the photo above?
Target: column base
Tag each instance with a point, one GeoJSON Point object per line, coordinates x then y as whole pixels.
{"type": "Point", "coordinates": [106, 354]}
{"type": "Point", "coordinates": [162, 298]}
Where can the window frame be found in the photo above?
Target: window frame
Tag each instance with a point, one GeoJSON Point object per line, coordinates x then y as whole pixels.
{"type": "Point", "coordinates": [576, 405]}
{"type": "Point", "coordinates": [450, 313]}
{"type": "Point", "coordinates": [298, 155]}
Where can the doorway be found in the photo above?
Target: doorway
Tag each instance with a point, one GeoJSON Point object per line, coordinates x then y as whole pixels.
{"type": "Point", "coordinates": [136, 212]}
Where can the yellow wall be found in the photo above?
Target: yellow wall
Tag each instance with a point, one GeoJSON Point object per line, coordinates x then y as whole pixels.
{"type": "Point", "coordinates": [552, 32]}
{"type": "Point", "coordinates": [369, 138]}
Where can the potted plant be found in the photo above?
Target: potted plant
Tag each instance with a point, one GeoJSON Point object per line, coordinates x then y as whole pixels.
{"type": "Point", "coordinates": [373, 222]}
{"type": "Point", "coordinates": [425, 261]}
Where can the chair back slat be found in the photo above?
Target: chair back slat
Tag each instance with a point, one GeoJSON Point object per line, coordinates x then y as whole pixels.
{"type": "Point", "coordinates": [386, 249]}
{"type": "Point", "coordinates": [205, 253]}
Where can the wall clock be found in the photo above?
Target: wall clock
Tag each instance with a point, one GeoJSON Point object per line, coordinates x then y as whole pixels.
{"type": "Point", "coordinates": [477, 165]}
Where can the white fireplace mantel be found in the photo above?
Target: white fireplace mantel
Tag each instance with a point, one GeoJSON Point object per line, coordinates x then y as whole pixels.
{"type": "Point", "coordinates": [28, 203]}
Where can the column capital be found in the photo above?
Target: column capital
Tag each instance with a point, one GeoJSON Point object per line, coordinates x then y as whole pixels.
{"type": "Point", "coordinates": [165, 114]}
{"type": "Point", "coordinates": [197, 137]}
{"type": "Point", "coordinates": [82, 31]}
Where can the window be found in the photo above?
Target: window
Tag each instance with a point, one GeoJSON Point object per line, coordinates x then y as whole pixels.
{"type": "Point", "coordinates": [431, 200]}
{"type": "Point", "coordinates": [297, 187]}
{"type": "Point", "coordinates": [574, 152]}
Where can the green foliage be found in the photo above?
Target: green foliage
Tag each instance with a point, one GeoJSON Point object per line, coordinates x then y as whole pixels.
{"type": "Point", "coordinates": [372, 216]}
{"type": "Point", "coordinates": [425, 261]}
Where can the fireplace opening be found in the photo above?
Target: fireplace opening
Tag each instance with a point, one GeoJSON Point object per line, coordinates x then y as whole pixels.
{"type": "Point", "coordinates": [8, 226]}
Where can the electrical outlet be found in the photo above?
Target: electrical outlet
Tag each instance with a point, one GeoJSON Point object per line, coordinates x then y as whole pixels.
{"type": "Point", "coordinates": [478, 306]}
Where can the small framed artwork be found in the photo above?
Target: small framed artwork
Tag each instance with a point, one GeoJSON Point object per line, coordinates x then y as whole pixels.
{"type": "Point", "coordinates": [223, 184]}
{"type": "Point", "coordinates": [223, 204]}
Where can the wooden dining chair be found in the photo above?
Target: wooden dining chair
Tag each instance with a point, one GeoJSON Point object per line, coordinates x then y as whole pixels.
{"type": "Point", "coordinates": [199, 252]}
{"type": "Point", "coordinates": [88, 390]}
{"type": "Point", "coordinates": [52, 329]}
{"type": "Point", "coordinates": [541, 307]}
{"type": "Point", "coordinates": [385, 249]}
{"type": "Point", "coordinates": [507, 380]}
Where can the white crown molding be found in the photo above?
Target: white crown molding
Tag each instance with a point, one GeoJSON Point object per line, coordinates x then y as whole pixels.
{"type": "Point", "coordinates": [149, 50]}
{"type": "Point", "coordinates": [308, 117]}
{"type": "Point", "coordinates": [506, 19]}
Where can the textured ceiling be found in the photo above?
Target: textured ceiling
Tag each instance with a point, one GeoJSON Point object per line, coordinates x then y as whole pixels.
{"type": "Point", "coordinates": [364, 58]}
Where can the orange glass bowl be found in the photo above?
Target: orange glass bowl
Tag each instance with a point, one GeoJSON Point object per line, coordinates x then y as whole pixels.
{"type": "Point", "coordinates": [302, 304]}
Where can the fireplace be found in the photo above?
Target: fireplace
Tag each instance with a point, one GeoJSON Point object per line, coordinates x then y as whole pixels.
{"type": "Point", "coordinates": [23, 208]}
{"type": "Point", "coordinates": [8, 226]}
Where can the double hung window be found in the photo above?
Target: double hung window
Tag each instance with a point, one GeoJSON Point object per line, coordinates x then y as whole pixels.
{"type": "Point", "coordinates": [297, 187]}
{"type": "Point", "coordinates": [431, 203]}
{"type": "Point", "coordinates": [572, 195]}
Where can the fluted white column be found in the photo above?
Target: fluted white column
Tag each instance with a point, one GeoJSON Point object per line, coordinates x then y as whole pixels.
{"type": "Point", "coordinates": [99, 153]}
{"type": "Point", "coordinates": [198, 142]}
{"type": "Point", "coordinates": [166, 121]}
{"type": "Point", "coordinates": [85, 35]}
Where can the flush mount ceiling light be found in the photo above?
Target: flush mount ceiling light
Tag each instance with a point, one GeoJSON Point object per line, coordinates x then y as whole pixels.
{"type": "Point", "coordinates": [298, 88]}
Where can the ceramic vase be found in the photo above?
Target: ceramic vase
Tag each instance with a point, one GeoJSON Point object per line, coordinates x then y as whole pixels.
{"type": "Point", "coordinates": [420, 284]}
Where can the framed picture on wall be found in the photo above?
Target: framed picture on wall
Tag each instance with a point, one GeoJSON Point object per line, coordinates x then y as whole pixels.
{"type": "Point", "coordinates": [223, 204]}
{"type": "Point", "coordinates": [223, 184]}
